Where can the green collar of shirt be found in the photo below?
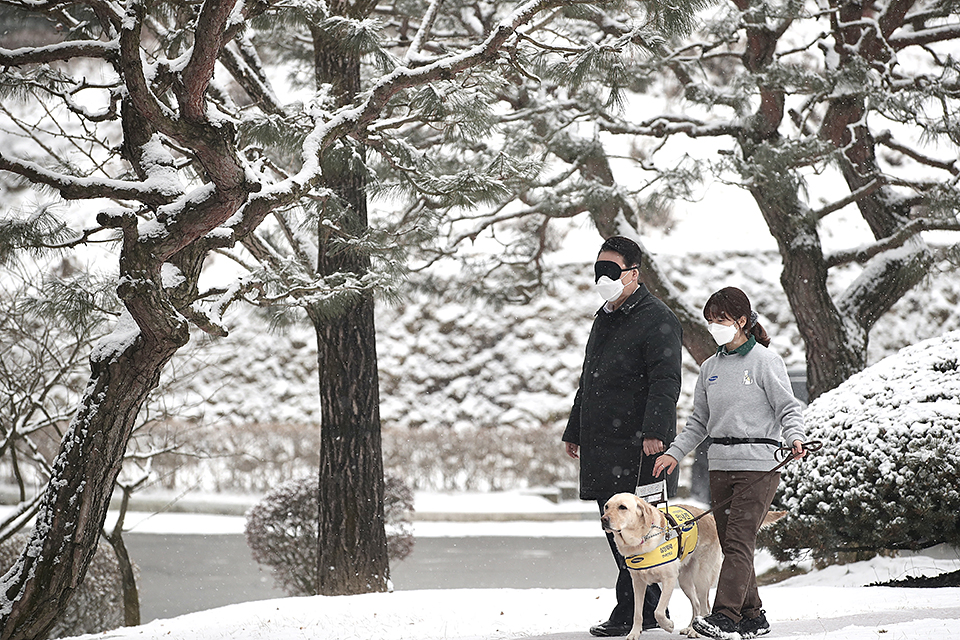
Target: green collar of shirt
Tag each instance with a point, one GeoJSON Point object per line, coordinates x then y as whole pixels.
{"type": "Point", "coordinates": [742, 350]}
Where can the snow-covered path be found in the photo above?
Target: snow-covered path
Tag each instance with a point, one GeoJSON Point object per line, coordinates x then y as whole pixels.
{"type": "Point", "coordinates": [795, 612]}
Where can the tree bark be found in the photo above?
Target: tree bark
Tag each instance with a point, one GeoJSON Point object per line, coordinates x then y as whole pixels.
{"type": "Point", "coordinates": [352, 546]}
{"type": "Point", "coordinates": [352, 550]}
{"type": "Point", "coordinates": [75, 504]}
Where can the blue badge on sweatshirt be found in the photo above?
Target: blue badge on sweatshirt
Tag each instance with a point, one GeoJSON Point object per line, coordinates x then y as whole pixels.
{"type": "Point", "coordinates": [713, 378]}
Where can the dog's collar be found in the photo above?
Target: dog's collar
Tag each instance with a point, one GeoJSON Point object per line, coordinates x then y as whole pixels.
{"type": "Point", "coordinates": [679, 545]}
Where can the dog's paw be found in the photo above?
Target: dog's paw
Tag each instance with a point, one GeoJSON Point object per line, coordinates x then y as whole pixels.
{"type": "Point", "coordinates": [689, 632]}
{"type": "Point", "coordinates": [634, 634]}
{"type": "Point", "coordinates": [667, 625]}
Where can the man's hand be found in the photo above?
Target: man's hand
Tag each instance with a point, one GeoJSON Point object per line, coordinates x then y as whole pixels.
{"type": "Point", "coordinates": [573, 450]}
{"type": "Point", "coordinates": [652, 446]}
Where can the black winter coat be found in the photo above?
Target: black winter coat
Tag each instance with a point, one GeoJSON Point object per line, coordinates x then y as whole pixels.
{"type": "Point", "coordinates": [628, 391]}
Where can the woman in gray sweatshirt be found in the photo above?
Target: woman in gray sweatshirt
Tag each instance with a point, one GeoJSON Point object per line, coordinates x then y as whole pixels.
{"type": "Point", "coordinates": [744, 402]}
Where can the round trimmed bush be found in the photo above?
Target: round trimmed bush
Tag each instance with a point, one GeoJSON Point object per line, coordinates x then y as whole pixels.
{"type": "Point", "coordinates": [888, 476]}
{"type": "Point", "coordinates": [96, 605]}
{"type": "Point", "coordinates": [281, 531]}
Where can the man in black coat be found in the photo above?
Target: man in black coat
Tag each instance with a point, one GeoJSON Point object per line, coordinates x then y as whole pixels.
{"type": "Point", "coordinates": [625, 411]}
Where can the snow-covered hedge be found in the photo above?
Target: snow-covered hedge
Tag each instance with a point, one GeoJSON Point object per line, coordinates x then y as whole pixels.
{"type": "Point", "coordinates": [888, 476]}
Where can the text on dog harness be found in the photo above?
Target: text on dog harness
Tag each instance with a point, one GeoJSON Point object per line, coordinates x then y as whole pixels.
{"type": "Point", "coordinates": [681, 541]}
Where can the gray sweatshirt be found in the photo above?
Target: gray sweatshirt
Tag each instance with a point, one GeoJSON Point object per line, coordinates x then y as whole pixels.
{"type": "Point", "coordinates": [741, 395]}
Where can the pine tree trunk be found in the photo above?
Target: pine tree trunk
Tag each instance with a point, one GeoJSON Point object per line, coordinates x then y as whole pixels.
{"type": "Point", "coordinates": [352, 553]}
{"type": "Point", "coordinates": [835, 349]}
{"type": "Point", "coordinates": [70, 520]}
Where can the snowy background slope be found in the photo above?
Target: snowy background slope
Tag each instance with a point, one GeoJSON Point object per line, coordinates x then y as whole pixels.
{"type": "Point", "coordinates": [451, 362]}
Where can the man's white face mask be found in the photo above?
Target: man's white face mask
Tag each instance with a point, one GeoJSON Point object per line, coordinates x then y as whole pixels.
{"type": "Point", "coordinates": [609, 289]}
{"type": "Point", "coordinates": [722, 333]}
{"type": "Point", "coordinates": [607, 280]}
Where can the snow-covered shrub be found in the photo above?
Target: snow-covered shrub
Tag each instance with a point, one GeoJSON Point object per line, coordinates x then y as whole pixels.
{"type": "Point", "coordinates": [281, 531]}
{"type": "Point", "coordinates": [96, 605]}
{"type": "Point", "coordinates": [887, 477]}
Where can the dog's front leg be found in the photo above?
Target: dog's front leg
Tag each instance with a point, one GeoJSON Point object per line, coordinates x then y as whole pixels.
{"type": "Point", "coordinates": [667, 586]}
{"type": "Point", "coordinates": [639, 589]}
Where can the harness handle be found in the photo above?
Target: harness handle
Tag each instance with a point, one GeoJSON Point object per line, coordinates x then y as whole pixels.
{"type": "Point", "coordinates": [784, 452]}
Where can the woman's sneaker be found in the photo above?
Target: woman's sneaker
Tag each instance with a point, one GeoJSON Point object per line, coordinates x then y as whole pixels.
{"type": "Point", "coordinates": [753, 627]}
{"type": "Point", "coordinates": [717, 625]}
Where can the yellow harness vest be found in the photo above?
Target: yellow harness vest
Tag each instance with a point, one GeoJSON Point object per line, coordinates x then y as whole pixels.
{"type": "Point", "coordinates": [679, 545]}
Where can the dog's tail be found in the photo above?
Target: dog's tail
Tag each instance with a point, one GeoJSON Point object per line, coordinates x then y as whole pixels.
{"type": "Point", "coordinates": [771, 517]}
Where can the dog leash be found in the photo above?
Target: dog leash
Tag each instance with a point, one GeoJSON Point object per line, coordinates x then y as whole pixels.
{"type": "Point", "coordinates": [788, 456]}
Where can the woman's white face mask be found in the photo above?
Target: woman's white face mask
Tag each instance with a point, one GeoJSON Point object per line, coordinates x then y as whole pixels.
{"type": "Point", "coordinates": [608, 289]}
{"type": "Point", "coordinates": [722, 333]}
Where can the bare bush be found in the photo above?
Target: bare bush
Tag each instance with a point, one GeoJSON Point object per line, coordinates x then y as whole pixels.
{"type": "Point", "coordinates": [254, 458]}
{"type": "Point", "coordinates": [282, 531]}
{"type": "Point", "coordinates": [96, 605]}
{"type": "Point", "coordinates": [249, 458]}
{"type": "Point", "coordinates": [478, 459]}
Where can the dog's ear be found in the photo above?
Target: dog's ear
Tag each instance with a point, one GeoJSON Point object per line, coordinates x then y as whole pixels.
{"type": "Point", "coordinates": [772, 516]}
{"type": "Point", "coordinates": [642, 505]}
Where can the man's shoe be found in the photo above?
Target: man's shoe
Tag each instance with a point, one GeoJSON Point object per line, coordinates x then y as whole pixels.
{"type": "Point", "coordinates": [717, 625]}
{"type": "Point", "coordinates": [650, 624]}
{"type": "Point", "coordinates": [611, 628]}
{"type": "Point", "coordinates": [753, 627]}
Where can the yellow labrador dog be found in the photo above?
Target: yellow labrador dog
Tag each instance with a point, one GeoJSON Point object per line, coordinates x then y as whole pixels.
{"type": "Point", "coordinates": [641, 533]}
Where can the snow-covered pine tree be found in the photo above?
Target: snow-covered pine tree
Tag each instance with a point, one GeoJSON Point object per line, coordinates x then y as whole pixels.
{"type": "Point", "coordinates": [328, 256]}
{"type": "Point", "coordinates": [126, 107]}
{"type": "Point", "coordinates": [813, 108]}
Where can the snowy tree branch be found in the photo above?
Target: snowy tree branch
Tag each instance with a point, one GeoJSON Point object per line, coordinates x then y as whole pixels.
{"type": "Point", "coordinates": [353, 119]}
{"type": "Point", "coordinates": [850, 198]}
{"type": "Point", "coordinates": [667, 125]}
{"type": "Point", "coordinates": [413, 51]}
{"type": "Point", "coordinates": [74, 188]}
{"type": "Point", "coordinates": [900, 238]}
{"type": "Point", "coordinates": [59, 52]}
{"type": "Point", "coordinates": [942, 33]}
{"type": "Point", "coordinates": [250, 79]}
{"type": "Point", "coordinates": [886, 138]}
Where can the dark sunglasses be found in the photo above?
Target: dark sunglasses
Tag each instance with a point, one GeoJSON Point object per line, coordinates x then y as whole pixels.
{"type": "Point", "coordinates": [610, 269]}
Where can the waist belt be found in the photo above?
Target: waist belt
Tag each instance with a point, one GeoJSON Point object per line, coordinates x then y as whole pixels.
{"type": "Point", "coordinates": [727, 441]}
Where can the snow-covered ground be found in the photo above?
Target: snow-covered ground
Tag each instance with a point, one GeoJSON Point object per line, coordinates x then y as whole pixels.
{"type": "Point", "coordinates": [830, 604]}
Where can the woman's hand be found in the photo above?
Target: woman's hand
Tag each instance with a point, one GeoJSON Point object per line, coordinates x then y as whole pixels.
{"type": "Point", "coordinates": [664, 462]}
{"type": "Point", "coordinates": [798, 450]}
{"type": "Point", "coordinates": [573, 450]}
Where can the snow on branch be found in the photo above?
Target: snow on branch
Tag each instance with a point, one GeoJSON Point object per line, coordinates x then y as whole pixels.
{"type": "Point", "coordinates": [353, 119]}
{"type": "Point", "coordinates": [905, 39]}
{"type": "Point", "coordinates": [903, 235]}
{"type": "Point", "coordinates": [150, 192]}
{"type": "Point", "coordinates": [426, 24]}
{"type": "Point", "coordinates": [664, 126]}
{"type": "Point", "coordinates": [62, 51]}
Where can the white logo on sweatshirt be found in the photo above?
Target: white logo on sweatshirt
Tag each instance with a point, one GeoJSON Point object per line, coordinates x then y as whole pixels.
{"type": "Point", "coordinates": [746, 377]}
